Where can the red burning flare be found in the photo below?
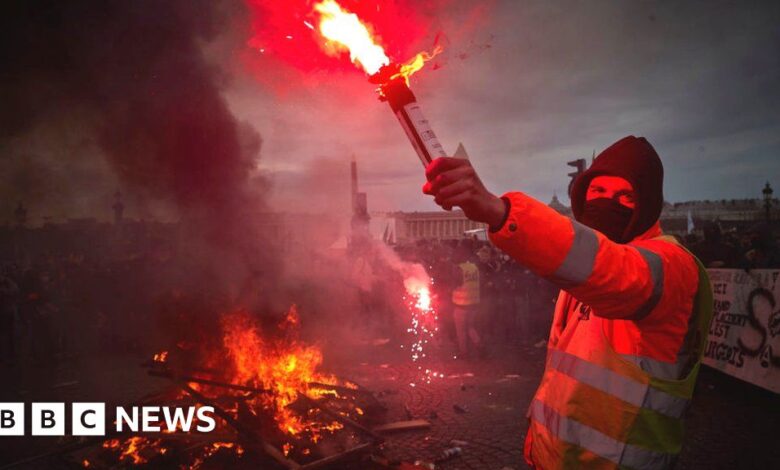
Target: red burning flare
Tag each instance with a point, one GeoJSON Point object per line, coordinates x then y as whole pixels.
{"type": "Point", "coordinates": [423, 323]}
{"type": "Point", "coordinates": [344, 31]}
{"type": "Point", "coordinates": [373, 34]}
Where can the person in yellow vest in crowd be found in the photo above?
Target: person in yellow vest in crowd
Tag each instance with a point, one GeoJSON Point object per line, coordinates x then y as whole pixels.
{"type": "Point", "coordinates": [465, 300]}
{"type": "Point", "coordinates": [630, 322]}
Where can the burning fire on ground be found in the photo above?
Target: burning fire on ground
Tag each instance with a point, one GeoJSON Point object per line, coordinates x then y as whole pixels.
{"type": "Point", "coordinates": [282, 372]}
{"type": "Point", "coordinates": [136, 450]}
{"type": "Point", "coordinates": [286, 367]}
{"type": "Point", "coordinates": [139, 450]}
{"type": "Point", "coordinates": [160, 357]}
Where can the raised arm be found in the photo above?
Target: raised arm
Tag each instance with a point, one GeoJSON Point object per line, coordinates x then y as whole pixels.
{"type": "Point", "coordinates": [616, 280]}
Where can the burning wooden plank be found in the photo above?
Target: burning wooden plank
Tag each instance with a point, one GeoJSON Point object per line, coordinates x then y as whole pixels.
{"type": "Point", "coordinates": [342, 419]}
{"type": "Point", "coordinates": [250, 437]}
{"type": "Point", "coordinates": [170, 374]}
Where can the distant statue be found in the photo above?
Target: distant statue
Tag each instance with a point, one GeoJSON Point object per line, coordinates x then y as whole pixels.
{"type": "Point", "coordinates": [119, 207]}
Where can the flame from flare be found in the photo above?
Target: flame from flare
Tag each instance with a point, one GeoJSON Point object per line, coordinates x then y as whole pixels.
{"type": "Point", "coordinates": [423, 321]}
{"type": "Point", "coordinates": [416, 63]}
{"type": "Point", "coordinates": [423, 299]}
{"type": "Point", "coordinates": [420, 292]}
{"type": "Point", "coordinates": [344, 30]}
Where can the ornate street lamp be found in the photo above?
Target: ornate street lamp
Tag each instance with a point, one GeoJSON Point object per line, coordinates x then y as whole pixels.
{"type": "Point", "coordinates": [768, 202]}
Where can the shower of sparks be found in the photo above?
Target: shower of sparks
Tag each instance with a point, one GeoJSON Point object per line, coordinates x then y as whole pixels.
{"type": "Point", "coordinates": [423, 324]}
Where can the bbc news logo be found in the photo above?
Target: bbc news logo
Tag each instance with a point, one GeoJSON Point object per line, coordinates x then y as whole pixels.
{"type": "Point", "coordinates": [89, 419]}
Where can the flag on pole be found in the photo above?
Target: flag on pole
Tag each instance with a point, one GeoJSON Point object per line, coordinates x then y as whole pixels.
{"type": "Point", "coordinates": [690, 222]}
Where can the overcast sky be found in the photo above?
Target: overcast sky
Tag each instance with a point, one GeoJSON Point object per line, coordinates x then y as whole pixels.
{"type": "Point", "coordinates": [166, 102]}
{"type": "Point", "coordinates": [537, 84]}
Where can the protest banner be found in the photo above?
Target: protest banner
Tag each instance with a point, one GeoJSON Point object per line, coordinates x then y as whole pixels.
{"type": "Point", "coordinates": [744, 337]}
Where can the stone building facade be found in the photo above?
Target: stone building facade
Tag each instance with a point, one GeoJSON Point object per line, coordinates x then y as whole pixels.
{"type": "Point", "coordinates": [408, 227]}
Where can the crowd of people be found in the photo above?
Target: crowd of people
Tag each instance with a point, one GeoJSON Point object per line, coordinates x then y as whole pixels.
{"type": "Point", "coordinates": [511, 306]}
{"type": "Point", "coordinates": [754, 248]}
{"type": "Point", "coordinates": [62, 305]}
{"type": "Point", "coordinates": [514, 305]}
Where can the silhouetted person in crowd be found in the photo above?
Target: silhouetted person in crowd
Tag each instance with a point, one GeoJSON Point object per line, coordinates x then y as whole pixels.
{"type": "Point", "coordinates": [35, 312]}
{"type": "Point", "coordinates": [518, 283]}
{"type": "Point", "coordinates": [763, 252]}
{"type": "Point", "coordinates": [446, 276]}
{"type": "Point", "coordinates": [491, 313]}
{"type": "Point", "coordinates": [713, 252]}
{"type": "Point", "coordinates": [9, 294]}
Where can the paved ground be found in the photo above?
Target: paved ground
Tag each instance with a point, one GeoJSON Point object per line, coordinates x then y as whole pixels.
{"type": "Point", "coordinates": [731, 424]}
{"type": "Point", "coordinates": [480, 402]}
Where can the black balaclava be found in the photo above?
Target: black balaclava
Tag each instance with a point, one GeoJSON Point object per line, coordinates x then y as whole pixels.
{"type": "Point", "coordinates": [608, 216]}
{"type": "Point", "coordinates": [636, 161]}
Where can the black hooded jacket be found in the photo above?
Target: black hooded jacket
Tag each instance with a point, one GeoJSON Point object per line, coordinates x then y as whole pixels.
{"type": "Point", "coordinates": [636, 161]}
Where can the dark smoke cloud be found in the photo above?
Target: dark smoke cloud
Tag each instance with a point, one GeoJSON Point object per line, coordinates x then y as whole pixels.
{"type": "Point", "coordinates": [101, 93]}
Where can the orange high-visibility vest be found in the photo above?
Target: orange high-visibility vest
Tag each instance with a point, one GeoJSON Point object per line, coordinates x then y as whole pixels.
{"type": "Point", "coordinates": [621, 366]}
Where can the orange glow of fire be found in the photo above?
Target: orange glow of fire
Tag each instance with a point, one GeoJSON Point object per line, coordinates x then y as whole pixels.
{"type": "Point", "coordinates": [416, 63]}
{"type": "Point", "coordinates": [285, 366]}
{"type": "Point", "coordinates": [160, 356]}
{"type": "Point", "coordinates": [280, 363]}
{"type": "Point", "coordinates": [345, 32]}
{"type": "Point", "coordinates": [211, 449]}
{"type": "Point", "coordinates": [135, 450]}
{"type": "Point", "coordinates": [291, 319]}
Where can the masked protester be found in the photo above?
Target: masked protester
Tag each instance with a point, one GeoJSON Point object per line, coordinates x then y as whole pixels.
{"type": "Point", "coordinates": [627, 336]}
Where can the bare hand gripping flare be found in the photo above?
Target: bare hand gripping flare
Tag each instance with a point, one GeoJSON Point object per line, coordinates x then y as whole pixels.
{"type": "Point", "coordinates": [345, 31]}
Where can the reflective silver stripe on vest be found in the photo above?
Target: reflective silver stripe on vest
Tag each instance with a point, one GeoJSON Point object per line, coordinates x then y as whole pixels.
{"type": "Point", "coordinates": [620, 386]}
{"type": "Point", "coordinates": [661, 369]}
{"type": "Point", "coordinates": [686, 356]}
{"type": "Point", "coordinates": [656, 266]}
{"type": "Point", "coordinates": [574, 432]}
{"type": "Point", "coordinates": [579, 261]}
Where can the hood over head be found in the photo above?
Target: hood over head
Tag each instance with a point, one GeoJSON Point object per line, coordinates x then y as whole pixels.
{"type": "Point", "coordinates": [636, 161]}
